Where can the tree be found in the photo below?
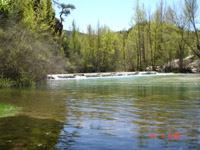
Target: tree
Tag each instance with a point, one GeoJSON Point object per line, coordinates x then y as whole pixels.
{"type": "Point", "coordinates": [75, 49]}
{"type": "Point", "coordinates": [124, 41]}
{"type": "Point", "coordinates": [98, 50]}
{"type": "Point", "coordinates": [36, 15]}
{"type": "Point", "coordinates": [139, 19]}
{"type": "Point", "coordinates": [190, 12]}
{"type": "Point", "coordinates": [108, 61]}
{"type": "Point", "coordinates": [149, 38]}
{"type": "Point", "coordinates": [88, 50]}
{"type": "Point", "coordinates": [131, 49]}
{"type": "Point", "coordinates": [28, 49]}
{"type": "Point", "coordinates": [75, 39]}
{"type": "Point", "coordinates": [177, 29]}
{"type": "Point", "coordinates": [26, 57]}
{"type": "Point", "coordinates": [4, 6]}
{"type": "Point", "coordinates": [65, 10]}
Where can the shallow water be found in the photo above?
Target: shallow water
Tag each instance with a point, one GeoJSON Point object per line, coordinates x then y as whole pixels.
{"type": "Point", "coordinates": [108, 113]}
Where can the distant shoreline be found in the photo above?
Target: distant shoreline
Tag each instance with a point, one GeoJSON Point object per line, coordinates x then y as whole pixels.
{"type": "Point", "coordinates": [106, 75]}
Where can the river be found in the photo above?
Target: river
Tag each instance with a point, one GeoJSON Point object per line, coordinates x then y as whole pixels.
{"type": "Point", "coordinates": [127, 113]}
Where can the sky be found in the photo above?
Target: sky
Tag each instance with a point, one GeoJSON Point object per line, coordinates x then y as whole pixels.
{"type": "Point", "coordinates": [116, 14]}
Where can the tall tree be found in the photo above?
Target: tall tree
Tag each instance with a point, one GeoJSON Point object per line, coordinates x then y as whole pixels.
{"type": "Point", "coordinates": [99, 37]}
{"type": "Point", "coordinates": [139, 18]}
{"type": "Point", "coordinates": [65, 10]}
{"type": "Point", "coordinates": [149, 33]}
{"type": "Point", "coordinates": [177, 25]}
{"type": "Point", "coordinates": [74, 40]}
{"type": "Point", "coordinates": [190, 11]}
{"type": "Point", "coordinates": [124, 40]}
{"type": "Point", "coordinates": [108, 61]}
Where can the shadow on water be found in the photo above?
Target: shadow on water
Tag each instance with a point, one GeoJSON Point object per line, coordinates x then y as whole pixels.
{"type": "Point", "coordinates": [39, 125]}
{"type": "Point", "coordinates": [23, 132]}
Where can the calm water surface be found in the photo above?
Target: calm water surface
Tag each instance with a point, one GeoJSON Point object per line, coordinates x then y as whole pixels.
{"type": "Point", "coordinates": [105, 114]}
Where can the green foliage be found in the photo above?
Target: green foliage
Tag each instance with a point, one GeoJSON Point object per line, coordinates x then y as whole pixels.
{"type": "Point", "coordinates": [131, 52]}
{"type": "Point", "coordinates": [190, 12]}
{"type": "Point", "coordinates": [65, 10]}
{"type": "Point", "coordinates": [107, 50]}
{"type": "Point", "coordinates": [152, 41]}
{"type": "Point", "coordinates": [4, 6]}
{"type": "Point", "coordinates": [38, 16]}
{"type": "Point", "coordinates": [74, 40]}
{"type": "Point", "coordinates": [5, 82]}
{"type": "Point", "coordinates": [24, 79]}
{"type": "Point", "coordinates": [33, 43]}
{"type": "Point", "coordinates": [146, 44]}
{"type": "Point", "coordinates": [28, 57]}
{"type": "Point", "coordinates": [30, 46]}
{"type": "Point", "coordinates": [98, 50]}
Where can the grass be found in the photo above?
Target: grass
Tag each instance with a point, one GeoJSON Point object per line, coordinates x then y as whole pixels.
{"type": "Point", "coordinates": [7, 110]}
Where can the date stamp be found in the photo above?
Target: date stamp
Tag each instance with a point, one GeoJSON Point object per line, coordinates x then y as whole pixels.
{"type": "Point", "coordinates": [163, 136]}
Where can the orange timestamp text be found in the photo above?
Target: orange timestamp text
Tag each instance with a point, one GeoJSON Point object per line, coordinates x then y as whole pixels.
{"type": "Point", "coordinates": [169, 136]}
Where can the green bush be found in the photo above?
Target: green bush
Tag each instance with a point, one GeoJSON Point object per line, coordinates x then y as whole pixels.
{"type": "Point", "coordinates": [24, 79]}
{"type": "Point", "coordinates": [27, 57]}
{"type": "Point", "coordinates": [5, 83]}
{"type": "Point", "coordinates": [4, 6]}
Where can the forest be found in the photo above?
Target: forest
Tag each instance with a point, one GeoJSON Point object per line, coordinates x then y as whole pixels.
{"type": "Point", "coordinates": [33, 42]}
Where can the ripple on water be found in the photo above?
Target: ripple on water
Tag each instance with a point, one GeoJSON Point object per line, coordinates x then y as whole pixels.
{"type": "Point", "coordinates": [114, 114]}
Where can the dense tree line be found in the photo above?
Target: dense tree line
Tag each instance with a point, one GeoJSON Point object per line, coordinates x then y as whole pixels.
{"type": "Point", "coordinates": [154, 39]}
{"type": "Point", "coordinates": [33, 42]}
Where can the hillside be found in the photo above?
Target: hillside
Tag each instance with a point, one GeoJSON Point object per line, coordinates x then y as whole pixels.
{"type": "Point", "coordinates": [34, 44]}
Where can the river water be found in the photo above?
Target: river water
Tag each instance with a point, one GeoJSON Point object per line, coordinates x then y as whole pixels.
{"type": "Point", "coordinates": [127, 113]}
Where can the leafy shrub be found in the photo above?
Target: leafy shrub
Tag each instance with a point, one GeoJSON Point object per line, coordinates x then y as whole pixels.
{"type": "Point", "coordinates": [28, 57]}
{"type": "Point", "coordinates": [5, 83]}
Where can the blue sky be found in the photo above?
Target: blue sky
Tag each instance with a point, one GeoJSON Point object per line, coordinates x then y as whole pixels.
{"type": "Point", "coordinates": [116, 14]}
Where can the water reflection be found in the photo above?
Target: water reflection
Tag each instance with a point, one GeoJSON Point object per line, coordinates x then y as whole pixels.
{"type": "Point", "coordinates": [121, 114]}
{"type": "Point", "coordinates": [98, 114]}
